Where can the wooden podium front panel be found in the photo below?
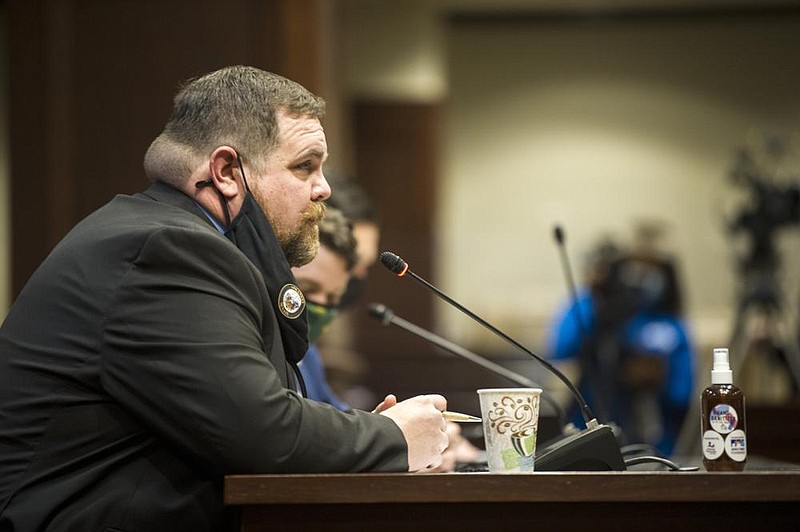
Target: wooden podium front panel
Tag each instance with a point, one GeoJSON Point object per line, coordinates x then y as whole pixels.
{"type": "Point", "coordinates": [619, 501]}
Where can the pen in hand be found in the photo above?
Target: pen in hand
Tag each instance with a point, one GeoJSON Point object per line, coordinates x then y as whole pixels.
{"type": "Point", "coordinates": [458, 417]}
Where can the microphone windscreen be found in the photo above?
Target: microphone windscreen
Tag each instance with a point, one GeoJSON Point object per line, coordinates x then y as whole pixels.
{"type": "Point", "coordinates": [558, 233]}
{"type": "Point", "coordinates": [380, 312]}
{"type": "Point", "coordinates": [393, 263]}
{"type": "Point", "coordinates": [376, 310]}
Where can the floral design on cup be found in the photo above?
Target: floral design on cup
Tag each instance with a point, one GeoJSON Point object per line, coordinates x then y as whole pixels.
{"type": "Point", "coordinates": [518, 417]}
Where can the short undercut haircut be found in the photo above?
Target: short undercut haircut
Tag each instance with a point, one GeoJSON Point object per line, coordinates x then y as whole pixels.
{"type": "Point", "coordinates": [234, 106]}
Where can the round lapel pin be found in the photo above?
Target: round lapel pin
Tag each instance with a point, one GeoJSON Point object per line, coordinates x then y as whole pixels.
{"type": "Point", "coordinates": [291, 301]}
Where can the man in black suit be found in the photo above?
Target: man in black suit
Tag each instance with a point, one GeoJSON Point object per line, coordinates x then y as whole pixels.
{"type": "Point", "coordinates": [155, 350]}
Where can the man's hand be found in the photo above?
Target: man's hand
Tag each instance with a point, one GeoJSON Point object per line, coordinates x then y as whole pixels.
{"type": "Point", "coordinates": [459, 450]}
{"type": "Point", "coordinates": [421, 421]}
{"type": "Point", "coordinates": [389, 402]}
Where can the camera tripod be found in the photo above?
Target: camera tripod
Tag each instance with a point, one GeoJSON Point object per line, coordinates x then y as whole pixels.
{"type": "Point", "coordinates": [765, 356]}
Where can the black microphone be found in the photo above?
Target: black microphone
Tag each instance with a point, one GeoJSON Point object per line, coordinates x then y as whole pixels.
{"type": "Point", "coordinates": [594, 449]}
{"type": "Point", "coordinates": [558, 234]}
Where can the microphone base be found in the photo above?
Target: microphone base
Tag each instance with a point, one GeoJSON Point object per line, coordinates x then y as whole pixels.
{"type": "Point", "coordinates": [594, 449]}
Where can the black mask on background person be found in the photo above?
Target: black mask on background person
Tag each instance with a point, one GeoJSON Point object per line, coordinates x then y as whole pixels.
{"type": "Point", "coordinates": [252, 233]}
{"type": "Point", "coordinates": [356, 287]}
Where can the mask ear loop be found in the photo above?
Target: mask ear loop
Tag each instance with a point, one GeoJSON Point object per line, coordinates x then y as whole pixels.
{"type": "Point", "coordinates": [244, 177]}
{"type": "Point", "coordinates": [222, 199]}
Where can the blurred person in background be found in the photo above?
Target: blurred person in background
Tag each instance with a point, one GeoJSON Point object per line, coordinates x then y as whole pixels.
{"type": "Point", "coordinates": [632, 346]}
{"type": "Point", "coordinates": [344, 368]}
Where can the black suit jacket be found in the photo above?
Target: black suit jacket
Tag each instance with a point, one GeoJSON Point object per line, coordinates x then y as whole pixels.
{"type": "Point", "coordinates": [140, 364]}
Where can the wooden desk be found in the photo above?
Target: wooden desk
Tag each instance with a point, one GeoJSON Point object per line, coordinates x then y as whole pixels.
{"type": "Point", "coordinates": [619, 501]}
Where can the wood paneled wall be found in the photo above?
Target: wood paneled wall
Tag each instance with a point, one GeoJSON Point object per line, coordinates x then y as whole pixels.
{"type": "Point", "coordinates": [91, 84]}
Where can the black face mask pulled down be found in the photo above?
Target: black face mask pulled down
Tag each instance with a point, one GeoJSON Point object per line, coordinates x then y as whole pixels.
{"type": "Point", "coordinates": [252, 233]}
{"type": "Point", "coordinates": [356, 287]}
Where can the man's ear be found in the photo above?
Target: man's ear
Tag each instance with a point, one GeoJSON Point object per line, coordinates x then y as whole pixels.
{"type": "Point", "coordinates": [222, 168]}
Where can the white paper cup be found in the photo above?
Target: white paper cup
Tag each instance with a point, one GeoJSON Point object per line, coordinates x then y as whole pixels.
{"type": "Point", "coordinates": [510, 424]}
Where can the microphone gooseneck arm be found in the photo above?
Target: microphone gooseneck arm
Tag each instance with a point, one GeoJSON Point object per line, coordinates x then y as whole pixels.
{"type": "Point", "coordinates": [387, 316]}
{"type": "Point", "coordinates": [400, 267]}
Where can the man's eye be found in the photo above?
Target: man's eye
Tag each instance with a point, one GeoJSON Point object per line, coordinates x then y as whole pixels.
{"type": "Point", "coordinates": [306, 166]}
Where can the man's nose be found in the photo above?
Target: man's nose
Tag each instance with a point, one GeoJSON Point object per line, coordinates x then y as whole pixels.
{"type": "Point", "coordinates": [321, 189]}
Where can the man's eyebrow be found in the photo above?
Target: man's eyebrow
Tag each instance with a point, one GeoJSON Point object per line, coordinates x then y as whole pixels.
{"type": "Point", "coordinates": [314, 153]}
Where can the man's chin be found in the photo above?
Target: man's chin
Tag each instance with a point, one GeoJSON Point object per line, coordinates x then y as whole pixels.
{"type": "Point", "coordinates": [302, 251]}
{"type": "Point", "coordinates": [302, 259]}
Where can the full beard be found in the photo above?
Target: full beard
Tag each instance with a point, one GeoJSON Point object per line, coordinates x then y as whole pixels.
{"type": "Point", "coordinates": [301, 245]}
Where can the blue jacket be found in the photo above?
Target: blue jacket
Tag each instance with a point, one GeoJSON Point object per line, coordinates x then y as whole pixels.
{"type": "Point", "coordinates": [645, 334]}
{"type": "Point", "coordinates": [316, 384]}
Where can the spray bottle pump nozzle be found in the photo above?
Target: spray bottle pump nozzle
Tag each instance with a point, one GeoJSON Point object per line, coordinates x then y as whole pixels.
{"type": "Point", "coordinates": [721, 372]}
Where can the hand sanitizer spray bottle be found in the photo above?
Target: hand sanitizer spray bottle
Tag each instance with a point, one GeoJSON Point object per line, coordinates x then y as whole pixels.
{"type": "Point", "coordinates": [723, 426]}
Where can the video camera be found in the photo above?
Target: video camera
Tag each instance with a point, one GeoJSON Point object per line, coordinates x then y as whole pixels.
{"type": "Point", "coordinates": [636, 284]}
{"type": "Point", "coordinates": [772, 207]}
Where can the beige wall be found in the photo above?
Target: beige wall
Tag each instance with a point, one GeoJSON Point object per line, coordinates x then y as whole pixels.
{"type": "Point", "coordinates": [590, 125]}
{"type": "Point", "coordinates": [595, 126]}
{"type": "Point", "coordinates": [394, 50]}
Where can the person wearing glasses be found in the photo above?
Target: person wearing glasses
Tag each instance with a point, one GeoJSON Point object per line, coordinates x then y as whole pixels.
{"type": "Point", "coordinates": [155, 349]}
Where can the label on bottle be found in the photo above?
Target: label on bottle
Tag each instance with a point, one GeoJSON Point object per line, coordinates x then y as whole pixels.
{"type": "Point", "coordinates": [736, 445]}
{"type": "Point", "coordinates": [723, 418]}
{"type": "Point", "coordinates": [713, 445]}
{"type": "Point", "coordinates": [724, 436]}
